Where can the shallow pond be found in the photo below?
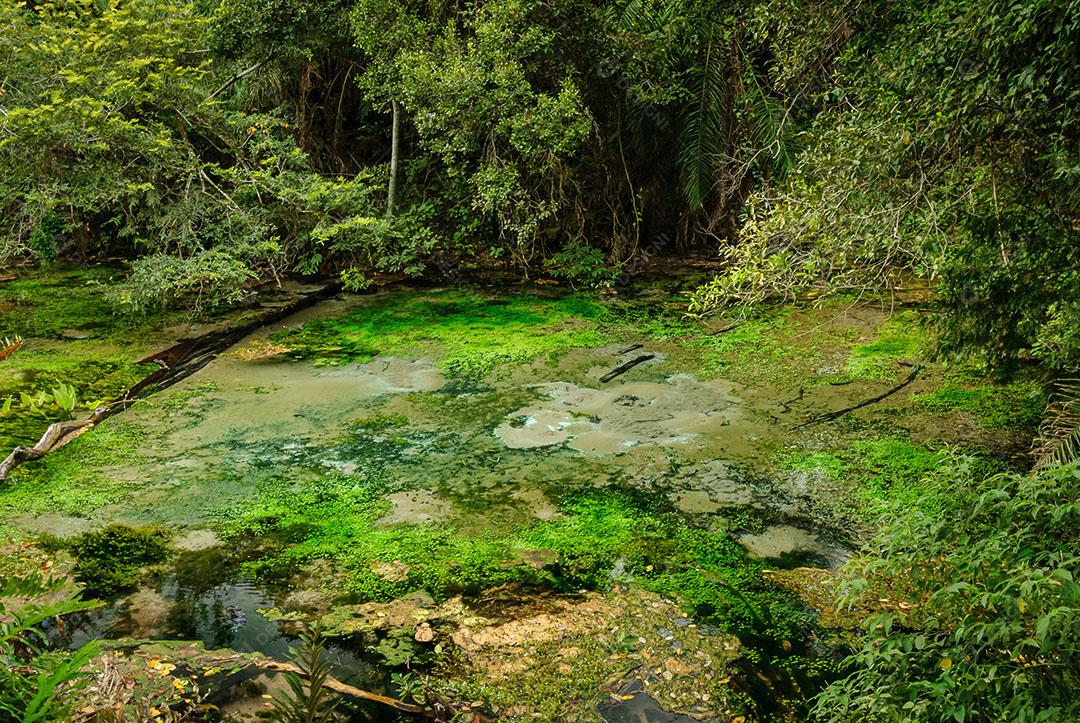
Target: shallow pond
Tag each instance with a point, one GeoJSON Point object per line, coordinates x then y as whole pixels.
{"type": "Point", "coordinates": [426, 474]}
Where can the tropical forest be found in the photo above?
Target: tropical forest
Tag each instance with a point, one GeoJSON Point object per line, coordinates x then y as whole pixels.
{"type": "Point", "coordinates": [638, 361]}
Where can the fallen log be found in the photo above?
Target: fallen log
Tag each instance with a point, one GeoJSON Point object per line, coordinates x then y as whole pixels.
{"type": "Point", "coordinates": [345, 689]}
{"type": "Point", "coordinates": [828, 417]}
{"type": "Point", "coordinates": [174, 364]}
{"type": "Point", "coordinates": [624, 368]}
{"type": "Point", "coordinates": [57, 435]}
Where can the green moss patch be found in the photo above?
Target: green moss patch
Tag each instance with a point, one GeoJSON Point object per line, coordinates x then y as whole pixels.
{"type": "Point", "coordinates": [70, 481]}
{"type": "Point", "coordinates": [883, 472]}
{"type": "Point", "coordinates": [600, 537]}
{"type": "Point", "coordinates": [900, 338]}
{"type": "Point", "coordinates": [1016, 406]}
{"type": "Point", "coordinates": [469, 335]}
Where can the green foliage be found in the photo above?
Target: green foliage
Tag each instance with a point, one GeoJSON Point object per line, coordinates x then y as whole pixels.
{"type": "Point", "coordinates": [946, 149]}
{"type": "Point", "coordinates": [38, 685]}
{"type": "Point", "coordinates": [990, 619]}
{"type": "Point", "coordinates": [113, 140]}
{"type": "Point", "coordinates": [307, 700]}
{"type": "Point", "coordinates": [581, 265]}
{"type": "Point", "coordinates": [115, 558]}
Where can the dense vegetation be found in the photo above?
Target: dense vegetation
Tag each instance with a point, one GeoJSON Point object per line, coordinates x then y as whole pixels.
{"type": "Point", "coordinates": [818, 149]}
{"type": "Point", "coordinates": [821, 147]}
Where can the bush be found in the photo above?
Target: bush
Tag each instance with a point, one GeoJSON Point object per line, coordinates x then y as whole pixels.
{"type": "Point", "coordinates": [978, 610]}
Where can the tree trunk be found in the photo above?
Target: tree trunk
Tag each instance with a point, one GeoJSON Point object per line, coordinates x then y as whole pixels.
{"type": "Point", "coordinates": [391, 191]}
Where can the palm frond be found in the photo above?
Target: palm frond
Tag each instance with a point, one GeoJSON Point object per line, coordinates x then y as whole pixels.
{"type": "Point", "coordinates": [1058, 441]}
{"type": "Point", "coordinates": [9, 347]}
{"type": "Point", "coordinates": [767, 120]}
{"type": "Point", "coordinates": [703, 140]}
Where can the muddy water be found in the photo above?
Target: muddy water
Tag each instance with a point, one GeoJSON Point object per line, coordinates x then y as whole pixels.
{"type": "Point", "coordinates": [488, 456]}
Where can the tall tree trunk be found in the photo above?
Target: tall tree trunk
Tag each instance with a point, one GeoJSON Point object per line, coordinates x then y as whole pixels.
{"type": "Point", "coordinates": [391, 191]}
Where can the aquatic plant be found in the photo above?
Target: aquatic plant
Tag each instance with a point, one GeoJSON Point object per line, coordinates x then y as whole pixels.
{"type": "Point", "coordinates": [114, 558]}
{"type": "Point", "coordinates": [307, 700]}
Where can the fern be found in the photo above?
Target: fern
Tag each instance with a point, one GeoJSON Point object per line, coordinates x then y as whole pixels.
{"type": "Point", "coordinates": [1058, 441]}
{"type": "Point", "coordinates": [767, 123]}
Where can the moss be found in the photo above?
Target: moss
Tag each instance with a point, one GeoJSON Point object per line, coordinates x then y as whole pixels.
{"type": "Point", "coordinates": [598, 535]}
{"type": "Point", "coordinates": [46, 303]}
{"type": "Point", "coordinates": [70, 481]}
{"type": "Point", "coordinates": [71, 336]}
{"type": "Point", "coordinates": [1015, 406]}
{"type": "Point", "coordinates": [900, 338]}
{"type": "Point", "coordinates": [97, 373]}
{"type": "Point", "coordinates": [469, 335]}
{"type": "Point", "coordinates": [651, 318]}
{"type": "Point", "coordinates": [115, 558]}
{"type": "Point", "coordinates": [884, 471]}
{"type": "Point", "coordinates": [774, 347]}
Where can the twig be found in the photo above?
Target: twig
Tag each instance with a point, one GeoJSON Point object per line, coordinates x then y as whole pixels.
{"type": "Point", "coordinates": [865, 403]}
{"type": "Point", "coordinates": [239, 76]}
{"type": "Point", "coordinates": [623, 368]}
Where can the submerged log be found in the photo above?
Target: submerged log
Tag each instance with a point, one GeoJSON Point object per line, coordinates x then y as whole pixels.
{"type": "Point", "coordinates": [830, 416]}
{"type": "Point", "coordinates": [345, 689]}
{"type": "Point", "coordinates": [624, 368]}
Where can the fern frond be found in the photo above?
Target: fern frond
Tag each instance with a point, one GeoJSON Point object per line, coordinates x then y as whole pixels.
{"type": "Point", "coordinates": [1058, 441]}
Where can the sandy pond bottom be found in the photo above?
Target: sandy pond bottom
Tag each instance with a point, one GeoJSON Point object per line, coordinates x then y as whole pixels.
{"type": "Point", "coordinates": [481, 460]}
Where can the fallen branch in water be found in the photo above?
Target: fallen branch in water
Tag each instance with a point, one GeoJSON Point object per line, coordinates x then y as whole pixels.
{"type": "Point", "coordinates": [624, 368]}
{"type": "Point", "coordinates": [57, 435]}
{"type": "Point", "coordinates": [830, 416]}
{"type": "Point", "coordinates": [345, 689]}
{"type": "Point", "coordinates": [175, 363]}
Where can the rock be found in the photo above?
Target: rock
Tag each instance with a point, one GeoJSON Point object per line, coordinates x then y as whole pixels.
{"type": "Point", "coordinates": [395, 571]}
{"type": "Point", "coordinates": [424, 633]}
{"type": "Point", "coordinates": [678, 667]}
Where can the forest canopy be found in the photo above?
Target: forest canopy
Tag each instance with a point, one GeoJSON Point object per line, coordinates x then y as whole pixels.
{"type": "Point", "coordinates": [820, 147]}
